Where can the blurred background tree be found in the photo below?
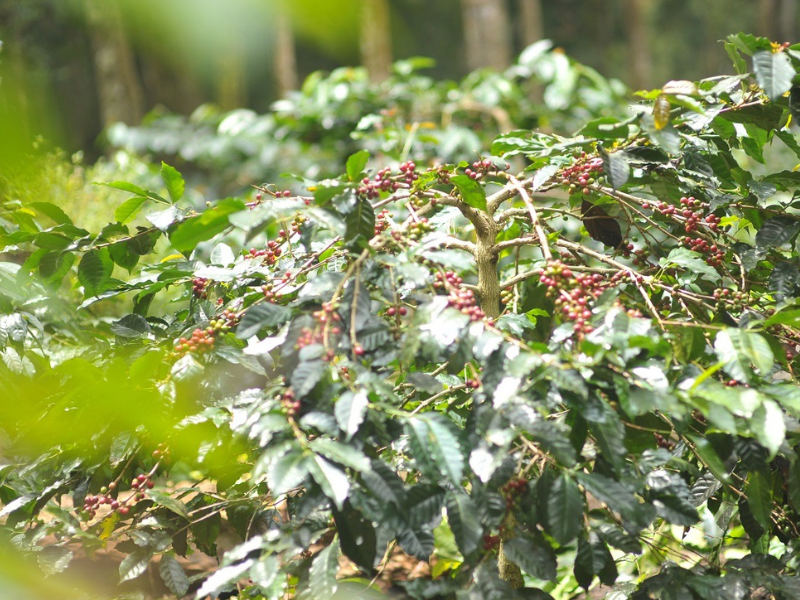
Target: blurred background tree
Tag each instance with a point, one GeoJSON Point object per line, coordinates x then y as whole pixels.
{"type": "Point", "coordinates": [116, 60]}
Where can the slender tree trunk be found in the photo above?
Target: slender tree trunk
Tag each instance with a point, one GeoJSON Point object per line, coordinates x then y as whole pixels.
{"type": "Point", "coordinates": [376, 39]}
{"type": "Point", "coordinates": [118, 85]}
{"type": "Point", "coordinates": [232, 80]}
{"type": "Point", "coordinates": [285, 61]}
{"type": "Point", "coordinates": [531, 21]}
{"type": "Point", "coordinates": [788, 21]}
{"type": "Point", "coordinates": [487, 34]}
{"type": "Point", "coordinates": [766, 17]}
{"type": "Point", "coordinates": [638, 31]}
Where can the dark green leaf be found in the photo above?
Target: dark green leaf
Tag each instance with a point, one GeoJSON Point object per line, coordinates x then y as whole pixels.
{"type": "Point", "coordinates": [565, 506]}
{"type": "Point", "coordinates": [777, 231]}
{"type": "Point", "coordinates": [360, 222]}
{"type": "Point", "coordinates": [616, 168]}
{"type": "Point", "coordinates": [435, 447]}
{"type": "Point", "coordinates": [350, 410]}
{"type": "Point", "coordinates": [357, 536]}
{"type": "Point", "coordinates": [759, 498]}
{"type": "Point", "coordinates": [94, 271]}
{"type": "Point", "coordinates": [170, 503]}
{"type": "Point", "coordinates": [331, 479]}
{"type": "Point", "coordinates": [322, 575]}
{"type": "Point", "coordinates": [462, 516]}
{"type": "Point", "coordinates": [261, 316]}
{"type": "Point", "coordinates": [534, 556]}
{"type": "Point", "coordinates": [134, 565]}
{"type": "Point", "coordinates": [173, 575]}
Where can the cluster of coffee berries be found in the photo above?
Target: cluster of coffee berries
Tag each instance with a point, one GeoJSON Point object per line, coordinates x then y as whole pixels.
{"type": "Point", "coordinates": [382, 221]}
{"type": "Point", "coordinates": [715, 255]}
{"type": "Point", "coordinates": [513, 490]}
{"type": "Point", "coordinates": [479, 169]}
{"type": "Point", "coordinates": [92, 503]}
{"type": "Point", "coordinates": [442, 174]}
{"type": "Point", "coordinates": [200, 287]}
{"type": "Point", "coordinates": [396, 310]}
{"type": "Point", "coordinates": [582, 173]}
{"type": "Point", "coordinates": [417, 229]}
{"type": "Point", "coordinates": [269, 291]}
{"type": "Point", "coordinates": [450, 279]}
{"type": "Point", "coordinates": [382, 182]}
{"type": "Point", "coordinates": [662, 207]}
{"type": "Point", "coordinates": [472, 384]}
{"type": "Point", "coordinates": [201, 341]}
{"type": "Point", "coordinates": [507, 295]}
{"type": "Point", "coordinates": [290, 403]}
{"type": "Point", "coordinates": [662, 442]}
{"type": "Point", "coordinates": [409, 170]}
{"type": "Point", "coordinates": [327, 313]}
{"type": "Point", "coordinates": [465, 301]}
{"type": "Point", "coordinates": [726, 296]}
{"type": "Point", "coordinates": [271, 253]}
{"type": "Point", "coordinates": [298, 222]}
{"type": "Point", "coordinates": [162, 451]}
{"type": "Point", "coordinates": [573, 293]}
{"type": "Point", "coordinates": [308, 337]}
{"type": "Point", "coordinates": [490, 542]}
{"type": "Point", "coordinates": [141, 483]}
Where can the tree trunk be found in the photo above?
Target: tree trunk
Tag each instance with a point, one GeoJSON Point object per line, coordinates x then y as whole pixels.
{"type": "Point", "coordinates": [531, 22]}
{"type": "Point", "coordinates": [788, 21]}
{"type": "Point", "coordinates": [641, 60]}
{"type": "Point", "coordinates": [232, 80]}
{"type": "Point", "coordinates": [285, 60]}
{"type": "Point", "coordinates": [118, 85]}
{"type": "Point", "coordinates": [487, 34]}
{"type": "Point", "coordinates": [766, 17]}
{"type": "Point", "coordinates": [376, 39]}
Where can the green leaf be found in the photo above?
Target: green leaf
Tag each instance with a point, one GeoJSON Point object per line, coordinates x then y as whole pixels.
{"type": "Point", "coordinates": [691, 262]}
{"type": "Point", "coordinates": [174, 182]}
{"type": "Point", "coordinates": [534, 556]}
{"type": "Point", "coordinates": [462, 514]}
{"type": "Point", "coordinates": [54, 559]}
{"type": "Point", "coordinates": [593, 558]}
{"type": "Point", "coordinates": [675, 509]}
{"type": "Point", "coordinates": [94, 271]}
{"type": "Point", "coordinates": [356, 163]}
{"type": "Point", "coordinates": [759, 498]}
{"type": "Point", "coordinates": [223, 578]}
{"type": "Point", "coordinates": [205, 226]}
{"type": "Point", "coordinates": [616, 168]}
{"type": "Point", "coordinates": [565, 506]}
{"type": "Point", "coordinates": [635, 516]}
{"type": "Point", "coordinates": [170, 503]}
{"type": "Point", "coordinates": [128, 210]}
{"type": "Point", "coordinates": [341, 453]}
{"type": "Point", "coordinates": [794, 485]}
{"type": "Point", "coordinates": [306, 376]}
{"type": "Point", "coordinates": [418, 543]}
{"type": "Point", "coordinates": [54, 265]}
{"type": "Point", "coordinates": [322, 575]}
{"type": "Point", "coordinates": [287, 471]}
{"type": "Point", "coordinates": [260, 316]}
{"type": "Point", "coordinates": [134, 565]}
{"type": "Point", "coordinates": [736, 349]}
{"type": "Point", "coordinates": [777, 231]}
{"type": "Point", "coordinates": [173, 575]}
{"type": "Point", "coordinates": [350, 410]}
{"type": "Point", "coordinates": [620, 539]}
{"type": "Point", "coordinates": [357, 536]}
{"type": "Point", "coordinates": [131, 326]}
{"type": "Point", "coordinates": [384, 484]}
{"type": "Point", "coordinates": [706, 452]}
{"type": "Point", "coordinates": [135, 189]}
{"type": "Point", "coordinates": [55, 213]}
{"type": "Point", "coordinates": [332, 480]}
{"type": "Point", "coordinates": [774, 72]}
{"type": "Point", "coordinates": [360, 222]}
{"type": "Point", "coordinates": [471, 191]}
{"type": "Point", "coordinates": [435, 447]}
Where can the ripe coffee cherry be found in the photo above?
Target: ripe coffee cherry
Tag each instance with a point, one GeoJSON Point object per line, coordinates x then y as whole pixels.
{"type": "Point", "coordinates": [358, 350]}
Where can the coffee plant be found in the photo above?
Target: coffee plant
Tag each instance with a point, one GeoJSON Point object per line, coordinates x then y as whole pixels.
{"type": "Point", "coordinates": [435, 380]}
